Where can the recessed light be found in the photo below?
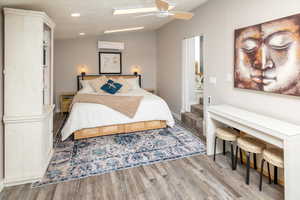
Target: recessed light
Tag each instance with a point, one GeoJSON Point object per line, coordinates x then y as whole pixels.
{"type": "Point", "coordinates": [124, 29]}
{"type": "Point", "coordinates": [75, 14]}
{"type": "Point", "coordinates": [136, 10]}
{"type": "Point", "coordinates": [81, 33]}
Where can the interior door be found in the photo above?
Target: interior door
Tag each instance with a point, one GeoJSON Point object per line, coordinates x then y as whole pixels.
{"type": "Point", "coordinates": [188, 74]}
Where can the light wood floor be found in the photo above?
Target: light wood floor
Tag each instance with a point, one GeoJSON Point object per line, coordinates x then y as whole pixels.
{"type": "Point", "coordinates": [196, 177]}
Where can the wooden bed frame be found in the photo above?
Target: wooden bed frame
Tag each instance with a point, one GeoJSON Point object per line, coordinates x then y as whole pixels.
{"type": "Point", "coordinates": [116, 128]}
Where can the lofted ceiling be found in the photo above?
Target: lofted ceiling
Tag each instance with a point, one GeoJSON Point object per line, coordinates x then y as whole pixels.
{"type": "Point", "coordinates": [96, 15]}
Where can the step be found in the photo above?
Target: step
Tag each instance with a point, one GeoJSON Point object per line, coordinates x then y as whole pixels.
{"type": "Point", "coordinates": [199, 125]}
{"type": "Point", "coordinates": [192, 120]}
{"type": "Point", "coordinates": [197, 109]}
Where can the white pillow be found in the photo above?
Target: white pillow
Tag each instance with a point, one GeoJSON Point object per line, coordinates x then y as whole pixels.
{"type": "Point", "coordinates": [134, 83]}
{"type": "Point", "coordinates": [86, 87]}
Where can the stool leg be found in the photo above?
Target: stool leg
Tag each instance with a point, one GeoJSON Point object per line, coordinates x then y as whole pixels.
{"type": "Point", "coordinates": [261, 174]}
{"type": "Point", "coordinates": [254, 159]}
{"type": "Point", "coordinates": [241, 156]}
{"type": "Point", "coordinates": [232, 156]}
{"type": "Point", "coordinates": [275, 175]}
{"type": "Point", "coordinates": [236, 156]}
{"type": "Point", "coordinates": [269, 174]}
{"type": "Point", "coordinates": [224, 147]}
{"type": "Point", "coordinates": [215, 148]}
{"type": "Point", "coordinates": [248, 169]}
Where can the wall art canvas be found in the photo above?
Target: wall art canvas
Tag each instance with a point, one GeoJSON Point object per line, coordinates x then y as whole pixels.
{"type": "Point", "coordinates": [267, 56]}
{"type": "Point", "coordinates": [110, 62]}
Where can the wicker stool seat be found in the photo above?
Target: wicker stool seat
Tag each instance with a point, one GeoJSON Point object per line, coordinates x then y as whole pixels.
{"type": "Point", "coordinates": [226, 135]}
{"type": "Point", "coordinates": [249, 145]}
{"type": "Point", "coordinates": [273, 156]}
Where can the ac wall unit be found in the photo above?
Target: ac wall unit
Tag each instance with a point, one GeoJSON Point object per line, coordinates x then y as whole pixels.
{"type": "Point", "coordinates": [111, 45]}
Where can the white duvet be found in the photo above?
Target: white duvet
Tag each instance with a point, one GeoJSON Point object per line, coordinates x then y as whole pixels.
{"type": "Point", "coordinates": [88, 115]}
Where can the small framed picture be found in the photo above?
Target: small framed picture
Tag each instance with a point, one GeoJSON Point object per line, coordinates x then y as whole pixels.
{"type": "Point", "coordinates": [110, 62]}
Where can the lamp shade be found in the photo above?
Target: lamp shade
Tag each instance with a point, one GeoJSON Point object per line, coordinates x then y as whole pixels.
{"type": "Point", "coordinates": [82, 69]}
{"type": "Point", "coordinates": [136, 69]}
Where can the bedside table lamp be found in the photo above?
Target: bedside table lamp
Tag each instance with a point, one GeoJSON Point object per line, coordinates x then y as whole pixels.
{"type": "Point", "coordinates": [136, 69]}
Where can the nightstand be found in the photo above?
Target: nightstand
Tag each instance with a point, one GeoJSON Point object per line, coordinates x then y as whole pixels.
{"type": "Point", "coordinates": [65, 101]}
{"type": "Point", "coordinates": [150, 90]}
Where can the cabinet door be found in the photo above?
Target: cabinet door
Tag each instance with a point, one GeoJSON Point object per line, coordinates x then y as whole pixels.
{"type": "Point", "coordinates": [13, 153]}
{"type": "Point", "coordinates": [23, 154]}
{"type": "Point", "coordinates": [23, 65]}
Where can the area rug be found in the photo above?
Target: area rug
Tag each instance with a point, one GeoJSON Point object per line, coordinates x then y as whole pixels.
{"type": "Point", "coordinates": [88, 157]}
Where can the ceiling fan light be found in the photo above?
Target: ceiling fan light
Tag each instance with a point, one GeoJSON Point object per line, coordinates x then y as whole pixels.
{"type": "Point", "coordinates": [164, 14]}
{"type": "Point", "coordinates": [75, 14]}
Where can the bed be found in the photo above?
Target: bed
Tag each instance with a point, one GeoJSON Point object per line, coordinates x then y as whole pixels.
{"type": "Point", "coordinates": [91, 120]}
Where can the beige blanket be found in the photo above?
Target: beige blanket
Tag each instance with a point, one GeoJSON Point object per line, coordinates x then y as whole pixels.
{"type": "Point", "coordinates": [127, 105]}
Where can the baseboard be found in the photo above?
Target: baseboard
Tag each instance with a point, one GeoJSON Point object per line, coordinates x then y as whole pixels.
{"type": "Point", "coordinates": [177, 116]}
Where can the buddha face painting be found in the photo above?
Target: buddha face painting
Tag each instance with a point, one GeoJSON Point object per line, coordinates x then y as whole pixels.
{"type": "Point", "coordinates": [267, 56]}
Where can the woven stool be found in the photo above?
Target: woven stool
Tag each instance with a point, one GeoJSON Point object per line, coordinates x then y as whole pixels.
{"type": "Point", "coordinates": [229, 135]}
{"type": "Point", "coordinates": [249, 145]}
{"type": "Point", "coordinates": [274, 157]}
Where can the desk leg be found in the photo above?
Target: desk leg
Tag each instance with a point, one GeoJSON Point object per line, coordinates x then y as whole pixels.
{"type": "Point", "coordinates": [292, 168]}
{"type": "Point", "coordinates": [210, 135]}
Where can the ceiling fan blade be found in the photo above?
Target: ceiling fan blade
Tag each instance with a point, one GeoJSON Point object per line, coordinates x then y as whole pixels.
{"type": "Point", "coordinates": [182, 15]}
{"type": "Point", "coordinates": [162, 5]}
{"type": "Point", "coordinates": [146, 15]}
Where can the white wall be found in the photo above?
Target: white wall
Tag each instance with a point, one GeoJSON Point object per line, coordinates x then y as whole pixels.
{"type": "Point", "coordinates": [217, 20]}
{"type": "Point", "coordinates": [140, 48]}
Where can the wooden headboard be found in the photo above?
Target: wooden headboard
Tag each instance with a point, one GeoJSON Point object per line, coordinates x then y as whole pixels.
{"type": "Point", "coordinates": [94, 76]}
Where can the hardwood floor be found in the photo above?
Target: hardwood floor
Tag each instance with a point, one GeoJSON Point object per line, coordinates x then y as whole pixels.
{"type": "Point", "coordinates": [196, 177]}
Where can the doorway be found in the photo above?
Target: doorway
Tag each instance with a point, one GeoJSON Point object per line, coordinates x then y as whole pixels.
{"type": "Point", "coordinates": [192, 82]}
{"type": "Point", "coordinates": [192, 72]}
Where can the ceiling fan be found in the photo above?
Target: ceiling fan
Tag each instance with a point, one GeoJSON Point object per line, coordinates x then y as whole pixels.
{"type": "Point", "coordinates": [164, 10]}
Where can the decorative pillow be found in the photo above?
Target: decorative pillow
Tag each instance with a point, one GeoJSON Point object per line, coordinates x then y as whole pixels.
{"type": "Point", "coordinates": [126, 87]}
{"type": "Point", "coordinates": [134, 83]}
{"type": "Point", "coordinates": [97, 83]}
{"type": "Point", "coordinates": [111, 87]}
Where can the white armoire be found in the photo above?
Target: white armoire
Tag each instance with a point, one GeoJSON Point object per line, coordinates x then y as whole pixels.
{"type": "Point", "coordinates": [28, 94]}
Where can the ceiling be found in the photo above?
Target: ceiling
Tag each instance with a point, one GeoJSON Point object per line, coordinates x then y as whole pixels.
{"type": "Point", "coordinates": [96, 15]}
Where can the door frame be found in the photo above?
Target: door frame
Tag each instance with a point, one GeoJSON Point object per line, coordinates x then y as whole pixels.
{"type": "Point", "coordinates": [183, 75]}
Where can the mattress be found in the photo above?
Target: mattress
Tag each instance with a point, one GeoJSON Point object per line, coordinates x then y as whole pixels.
{"type": "Point", "coordinates": [89, 115]}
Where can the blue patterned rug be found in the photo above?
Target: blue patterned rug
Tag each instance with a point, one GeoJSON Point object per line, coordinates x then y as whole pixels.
{"type": "Point", "coordinates": [88, 157]}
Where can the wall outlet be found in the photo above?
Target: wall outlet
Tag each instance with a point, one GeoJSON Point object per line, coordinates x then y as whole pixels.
{"type": "Point", "coordinates": [208, 100]}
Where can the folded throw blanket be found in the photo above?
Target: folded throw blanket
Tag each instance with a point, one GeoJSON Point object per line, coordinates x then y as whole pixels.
{"type": "Point", "coordinates": [127, 105]}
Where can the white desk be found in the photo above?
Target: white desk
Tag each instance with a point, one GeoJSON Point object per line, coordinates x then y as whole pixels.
{"type": "Point", "coordinates": [279, 133]}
